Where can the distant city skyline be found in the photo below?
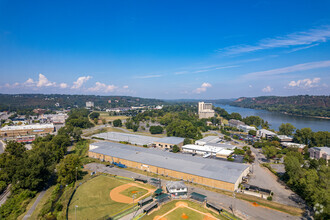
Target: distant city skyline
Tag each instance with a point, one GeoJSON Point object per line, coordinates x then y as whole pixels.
{"type": "Point", "coordinates": [165, 49]}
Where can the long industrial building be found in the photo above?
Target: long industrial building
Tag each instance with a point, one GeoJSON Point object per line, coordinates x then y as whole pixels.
{"type": "Point", "coordinates": [214, 173]}
{"type": "Point", "coordinates": [23, 130]}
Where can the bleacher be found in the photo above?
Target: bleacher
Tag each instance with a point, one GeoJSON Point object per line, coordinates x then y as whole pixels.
{"type": "Point", "coordinates": [213, 206]}
{"type": "Point", "coordinates": [141, 180]}
{"type": "Point", "coordinates": [162, 198]}
{"type": "Point", "coordinates": [145, 201]}
{"type": "Point", "coordinates": [198, 197]}
{"type": "Point", "coordinates": [150, 207]}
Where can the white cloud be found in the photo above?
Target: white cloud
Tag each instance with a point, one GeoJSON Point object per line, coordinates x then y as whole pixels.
{"type": "Point", "coordinates": [43, 81]}
{"type": "Point", "coordinates": [29, 82]}
{"type": "Point", "coordinates": [63, 85]}
{"type": "Point", "coordinates": [290, 69]}
{"type": "Point", "coordinates": [102, 87]}
{"type": "Point", "coordinates": [305, 83]}
{"type": "Point", "coordinates": [125, 87]}
{"type": "Point", "coordinates": [203, 88]}
{"type": "Point", "coordinates": [250, 86]}
{"type": "Point", "coordinates": [321, 34]}
{"type": "Point", "coordinates": [267, 89]}
{"type": "Point", "coordinates": [80, 81]}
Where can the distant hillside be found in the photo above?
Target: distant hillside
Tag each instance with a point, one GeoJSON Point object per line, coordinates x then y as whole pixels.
{"type": "Point", "coordinates": [304, 105]}
{"type": "Point", "coordinates": [26, 101]}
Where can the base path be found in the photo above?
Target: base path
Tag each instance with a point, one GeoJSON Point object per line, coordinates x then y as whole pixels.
{"type": "Point", "coordinates": [207, 216]}
{"type": "Point", "coordinates": [116, 195]}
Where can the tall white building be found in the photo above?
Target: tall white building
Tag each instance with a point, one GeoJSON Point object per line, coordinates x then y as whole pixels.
{"type": "Point", "coordinates": [89, 104]}
{"type": "Point", "coordinates": [205, 110]}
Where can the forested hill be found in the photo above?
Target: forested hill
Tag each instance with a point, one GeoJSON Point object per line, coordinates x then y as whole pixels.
{"type": "Point", "coordinates": [304, 105]}
{"type": "Point", "coordinates": [22, 101]}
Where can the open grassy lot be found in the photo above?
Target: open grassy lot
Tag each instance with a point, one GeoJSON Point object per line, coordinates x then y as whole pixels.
{"type": "Point", "coordinates": [182, 212]}
{"type": "Point", "coordinates": [106, 116]}
{"type": "Point", "coordinates": [137, 191]}
{"type": "Point", "coordinates": [92, 199]}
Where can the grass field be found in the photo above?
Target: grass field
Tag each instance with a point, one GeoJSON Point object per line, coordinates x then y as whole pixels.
{"type": "Point", "coordinates": [182, 212]}
{"type": "Point", "coordinates": [137, 191]}
{"type": "Point", "coordinates": [93, 198]}
{"type": "Point", "coordinates": [107, 117]}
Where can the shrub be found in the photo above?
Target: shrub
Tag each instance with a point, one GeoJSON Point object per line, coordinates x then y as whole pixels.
{"type": "Point", "coordinates": [117, 123]}
{"type": "Point", "coordinates": [156, 129]}
{"type": "Point", "coordinates": [269, 198]}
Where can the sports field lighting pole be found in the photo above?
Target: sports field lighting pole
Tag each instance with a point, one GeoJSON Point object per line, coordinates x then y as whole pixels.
{"type": "Point", "coordinates": [76, 173]}
{"type": "Point", "coordinates": [75, 211]}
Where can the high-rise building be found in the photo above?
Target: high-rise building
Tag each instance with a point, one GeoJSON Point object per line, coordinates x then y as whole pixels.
{"type": "Point", "coordinates": [89, 104]}
{"type": "Point", "coordinates": [205, 110]}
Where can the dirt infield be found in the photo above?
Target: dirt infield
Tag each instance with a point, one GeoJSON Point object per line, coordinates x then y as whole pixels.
{"type": "Point", "coordinates": [207, 216]}
{"type": "Point", "coordinates": [116, 196]}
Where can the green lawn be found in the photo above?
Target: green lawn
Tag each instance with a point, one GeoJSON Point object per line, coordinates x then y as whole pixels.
{"type": "Point", "coordinates": [93, 199]}
{"type": "Point", "coordinates": [177, 214]}
{"type": "Point", "coordinates": [134, 190]}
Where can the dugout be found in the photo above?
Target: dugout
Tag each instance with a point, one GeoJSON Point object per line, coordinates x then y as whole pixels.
{"type": "Point", "coordinates": [213, 206]}
{"type": "Point", "coordinates": [145, 201]}
{"type": "Point", "coordinates": [158, 191]}
{"type": "Point", "coordinates": [141, 180]}
{"type": "Point", "coordinates": [198, 197]}
{"type": "Point", "coordinates": [150, 207]}
{"type": "Point", "coordinates": [162, 198]}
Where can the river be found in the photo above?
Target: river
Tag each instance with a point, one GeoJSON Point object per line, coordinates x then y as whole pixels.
{"type": "Point", "coordinates": [275, 119]}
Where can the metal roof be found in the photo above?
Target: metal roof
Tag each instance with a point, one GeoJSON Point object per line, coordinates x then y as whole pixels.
{"type": "Point", "coordinates": [27, 127]}
{"type": "Point", "coordinates": [325, 149]}
{"type": "Point", "coordinates": [213, 169]}
{"type": "Point", "coordinates": [171, 140]}
{"type": "Point", "coordinates": [176, 185]}
{"type": "Point", "coordinates": [131, 138]}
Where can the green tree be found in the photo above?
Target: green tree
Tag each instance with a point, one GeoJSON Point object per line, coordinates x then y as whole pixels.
{"type": "Point", "coordinates": [303, 136]}
{"type": "Point", "coordinates": [68, 168]}
{"type": "Point", "coordinates": [94, 115]}
{"type": "Point", "coordinates": [269, 151]}
{"type": "Point", "coordinates": [175, 149]}
{"type": "Point", "coordinates": [286, 129]}
{"type": "Point", "coordinates": [156, 129]}
{"type": "Point", "coordinates": [187, 141]}
{"type": "Point", "coordinates": [236, 116]}
{"type": "Point", "coordinates": [117, 123]}
{"type": "Point", "coordinates": [252, 132]}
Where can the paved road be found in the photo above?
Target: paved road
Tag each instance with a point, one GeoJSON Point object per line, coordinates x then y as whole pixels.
{"type": "Point", "coordinates": [4, 195]}
{"type": "Point", "coordinates": [242, 208]}
{"type": "Point", "coordinates": [31, 210]}
{"type": "Point", "coordinates": [262, 177]}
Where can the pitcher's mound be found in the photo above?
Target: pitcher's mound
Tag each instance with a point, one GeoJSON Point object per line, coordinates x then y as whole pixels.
{"type": "Point", "coordinates": [184, 216]}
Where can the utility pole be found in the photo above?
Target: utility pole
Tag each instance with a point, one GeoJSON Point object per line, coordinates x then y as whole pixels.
{"type": "Point", "coordinates": [75, 211]}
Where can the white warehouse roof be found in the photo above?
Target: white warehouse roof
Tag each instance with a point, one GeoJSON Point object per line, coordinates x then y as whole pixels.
{"type": "Point", "coordinates": [27, 127]}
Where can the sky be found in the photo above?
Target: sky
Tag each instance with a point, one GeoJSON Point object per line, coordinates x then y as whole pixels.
{"type": "Point", "coordinates": [165, 49]}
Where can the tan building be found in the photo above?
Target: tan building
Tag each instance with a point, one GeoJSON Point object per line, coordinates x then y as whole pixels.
{"type": "Point", "coordinates": [205, 110]}
{"type": "Point", "coordinates": [169, 142]}
{"type": "Point", "coordinates": [26, 130]}
{"type": "Point", "coordinates": [319, 152]}
{"type": "Point", "coordinates": [213, 173]}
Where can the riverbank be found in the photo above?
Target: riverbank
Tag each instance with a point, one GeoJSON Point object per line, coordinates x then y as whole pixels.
{"type": "Point", "coordinates": [275, 119]}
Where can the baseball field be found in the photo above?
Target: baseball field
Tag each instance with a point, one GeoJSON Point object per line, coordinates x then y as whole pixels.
{"type": "Point", "coordinates": [176, 210]}
{"type": "Point", "coordinates": [104, 196]}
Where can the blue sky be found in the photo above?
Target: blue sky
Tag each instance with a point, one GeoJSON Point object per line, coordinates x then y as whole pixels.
{"type": "Point", "coordinates": [165, 49]}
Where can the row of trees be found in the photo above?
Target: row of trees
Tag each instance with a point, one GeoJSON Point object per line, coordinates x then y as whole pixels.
{"type": "Point", "coordinates": [311, 180]}
{"type": "Point", "coordinates": [29, 171]}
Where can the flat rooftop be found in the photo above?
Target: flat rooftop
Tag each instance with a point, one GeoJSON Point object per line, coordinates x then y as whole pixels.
{"type": "Point", "coordinates": [171, 140]}
{"type": "Point", "coordinates": [131, 138]}
{"type": "Point", "coordinates": [214, 169]}
{"type": "Point", "coordinates": [27, 127]}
